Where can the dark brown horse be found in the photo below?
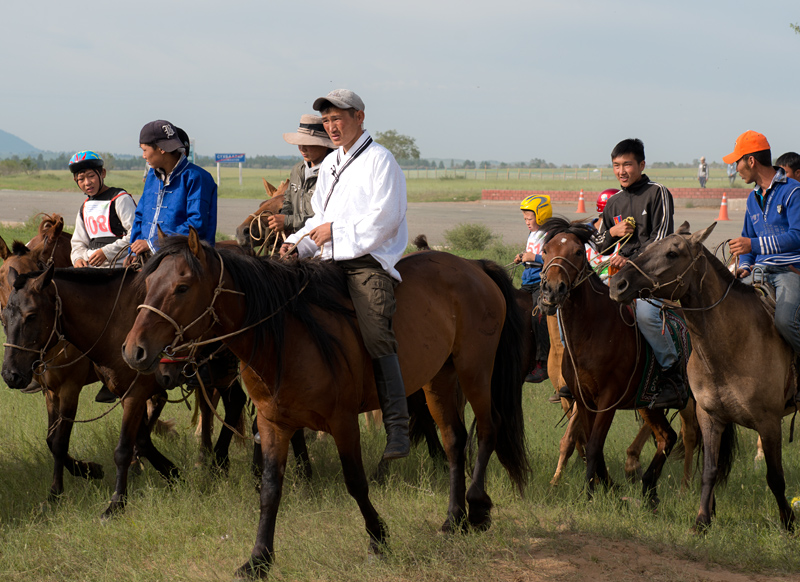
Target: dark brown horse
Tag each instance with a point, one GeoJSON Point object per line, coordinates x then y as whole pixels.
{"type": "Point", "coordinates": [62, 383]}
{"type": "Point", "coordinates": [305, 364]}
{"type": "Point", "coordinates": [254, 234]}
{"type": "Point", "coordinates": [741, 369]}
{"type": "Point", "coordinates": [604, 354]}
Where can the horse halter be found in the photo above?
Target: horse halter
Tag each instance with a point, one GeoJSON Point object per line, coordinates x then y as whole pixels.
{"type": "Point", "coordinates": [180, 330]}
{"type": "Point", "coordinates": [582, 273]}
{"type": "Point", "coordinates": [678, 280]}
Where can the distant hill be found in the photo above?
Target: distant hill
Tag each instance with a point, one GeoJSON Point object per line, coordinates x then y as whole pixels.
{"type": "Point", "coordinates": [12, 145]}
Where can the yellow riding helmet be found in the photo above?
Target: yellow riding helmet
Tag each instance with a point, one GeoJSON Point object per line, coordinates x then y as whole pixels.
{"type": "Point", "coordinates": [540, 205]}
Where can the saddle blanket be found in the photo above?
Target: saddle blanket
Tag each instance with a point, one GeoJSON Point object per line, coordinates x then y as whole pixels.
{"type": "Point", "coordinates": [648, 386]}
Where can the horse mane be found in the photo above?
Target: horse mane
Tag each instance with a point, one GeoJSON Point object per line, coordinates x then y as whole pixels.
{"type": "Point", "coordinates": [558, 225]}
{"type": "Point", "coordinates": [274, 289]}
{"type": "Point", "coordinates": [19, 249]}
{"type": "Point", "coordinates": [87, 275]}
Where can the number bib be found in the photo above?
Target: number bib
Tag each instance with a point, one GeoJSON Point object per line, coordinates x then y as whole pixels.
{"type": "Point", "coordinates": [96, 215]}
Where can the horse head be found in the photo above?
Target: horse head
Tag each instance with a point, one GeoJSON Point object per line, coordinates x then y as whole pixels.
{"type": "Point", "coordinates": [178, 306]}
{"type": "Point", "coordinates": [29, 318]}
{"type": "Point", "coordinates": [565, 263]}
{"type": "Point", "coordinates": [254, 231]}
{"type": "Point", "coordinates": [665, 269]}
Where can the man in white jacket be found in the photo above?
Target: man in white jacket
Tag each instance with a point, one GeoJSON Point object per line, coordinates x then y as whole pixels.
{"type": "Point", "coordinates": [360, 222]}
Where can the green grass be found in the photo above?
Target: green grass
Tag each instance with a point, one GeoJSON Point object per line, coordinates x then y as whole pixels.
{"type": "Point", "coordinates": [420, 188]}
{"type": "Point", "coordinates": [204, 528]}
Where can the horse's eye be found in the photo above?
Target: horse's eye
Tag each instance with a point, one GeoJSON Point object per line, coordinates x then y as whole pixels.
{"type": "Point", "coordinates": [181, 289]}
{"type": "Point", "coordinates": [672, 255]}
{"type": "Point", "coordinates": [30, 317]}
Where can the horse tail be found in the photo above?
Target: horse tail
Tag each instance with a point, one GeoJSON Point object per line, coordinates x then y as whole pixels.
{"type": "Point", "coordinates": [728, 447]}
{"type": "Point", "coordinates": [507, 381]}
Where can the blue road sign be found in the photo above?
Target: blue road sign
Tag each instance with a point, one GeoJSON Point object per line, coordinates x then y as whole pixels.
{"type": "Point", "coordinates": [229, 158]}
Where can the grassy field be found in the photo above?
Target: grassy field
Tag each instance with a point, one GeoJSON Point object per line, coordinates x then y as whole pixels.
{"type": "Point", "coordinates": [203, 528]}
{"type": "Point", "coordinates": [422, 186]}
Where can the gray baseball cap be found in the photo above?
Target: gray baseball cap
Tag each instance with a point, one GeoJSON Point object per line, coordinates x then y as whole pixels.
{"type": "Point", "coordinates": [341, 98]}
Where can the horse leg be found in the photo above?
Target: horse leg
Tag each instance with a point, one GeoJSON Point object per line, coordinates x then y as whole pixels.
{"type": "Point", "coordinates": [347, 436]}
{"type": "Point", "coordinates": [665, 440]}
{"type": "Point", "coordinates": [422, 426]}
{"type": "Point", "coordinates": [148, 450]}
{"type": "Point", "coordinates": [300, 450]}
{"type": "Point", "coordinates": [206, 421]}
{"type": "Point", "coordinates": [62, 404]}
{"type": "Point", "coordinates": [759, 451]}
{"type": "Point", "coordinates": [443, 397]}
{"type": "Point", "coordinates": [132, 420]}
{"type": "Point", "coordinates": [275, 450]}
{"type": "Point", "coordinates": [633, 468]}
{"type": "Point", "coordinates": [771, 440]}
{"type": "Point", "coordinates": [689, 434]}
{"type": "Point", "coordinates": [711, 432]}
{"type": "Point", "coordinates": [234, 400]}
{"type": "Point", "coordinates": [480, 504]}
{"type": "Point", "coordinates": [567, 445]}
{"type": "Point", "coordinates": [597, 426]}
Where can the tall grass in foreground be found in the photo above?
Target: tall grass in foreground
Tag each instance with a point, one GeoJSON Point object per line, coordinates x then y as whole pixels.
{"type": "Point", "coordinates": [203, 528]}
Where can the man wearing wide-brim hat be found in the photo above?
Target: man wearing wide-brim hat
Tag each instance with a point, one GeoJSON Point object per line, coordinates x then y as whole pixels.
{"type": "Point", "coordinates": [360, 223]}
{"type": "Point", "coordinates": [314, 144]}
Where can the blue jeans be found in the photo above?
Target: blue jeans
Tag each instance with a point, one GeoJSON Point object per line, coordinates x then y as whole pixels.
{"type": "Point", "coordinates": [787, 300]}
{"type": "Point", "coordinates": [649, 320]}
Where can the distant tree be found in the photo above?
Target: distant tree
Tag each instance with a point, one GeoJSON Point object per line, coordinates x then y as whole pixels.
{"type": "Point", "coordinates": [109, 161]}
{"type": "Point", "coordinates": [441, 165]}
{"type": "Point", "coordinates": [469, 165]}
{"type": "Point", "coordinates": [402, 146]}
{"type": "Point", "coordinates": [29, 165]}
{"type": "Point", "coordinates": [795, 27]}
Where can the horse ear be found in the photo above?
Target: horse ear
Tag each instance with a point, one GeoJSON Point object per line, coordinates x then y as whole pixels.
{"type": "Point", "coordinates": [269, 188]}
{"type": "Point", "coordinates": [282, 188]}
{"type": "Point", "coordinates": [684, 228]}
{"type": "Point", "coordinates": [43, 280]}
{"type": "Point", "coordinates": [161, 235]}
{"type": "Point", "coordinates": [700, 236]}
{"type": "Point", "coordinates": [195, 245]}
{"type": "Point", "coordinates": [12, 276]}
{"type": "Point", "coordinates": [4, 252]}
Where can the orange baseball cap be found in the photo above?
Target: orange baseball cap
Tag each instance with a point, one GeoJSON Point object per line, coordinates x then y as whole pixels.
{"type": "Point", "coordinates": [747, 143]}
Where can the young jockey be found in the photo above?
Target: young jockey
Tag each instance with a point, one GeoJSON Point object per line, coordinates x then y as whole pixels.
{"type": "Point", "coordinates": [535, 211]}
{"type": "Point", "coordinates": [651, 207]}
{"type": "Point", "coordinates": [769, 247]}
{"type": "Point", "coordinates": [104, 221]}
{"type": "Point", "coordinates": [177, 194]}
{"type": "Point", "coordinates": [360, 223]}
{"type": "Point", "coordinates": [314, 144]}
{"type": "Point", "coordinates": [790, 162]}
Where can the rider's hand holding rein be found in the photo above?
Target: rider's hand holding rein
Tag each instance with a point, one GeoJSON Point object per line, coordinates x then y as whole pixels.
{"type": "Point", "coordinates": [621, 229]}
{"type": "Point", "coordinates": [741, 246]}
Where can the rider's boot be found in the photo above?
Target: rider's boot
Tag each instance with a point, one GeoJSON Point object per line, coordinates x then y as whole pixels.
{"type": "Point", "coordinates": [392, 397]}
{"type": "Point", "coordinates": [673, 386]}
{"type": "Point", "coordinates": [538, 374]}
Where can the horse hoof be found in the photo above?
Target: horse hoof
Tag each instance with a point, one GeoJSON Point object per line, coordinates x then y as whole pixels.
{"type": "Point", "coordinates": [251, 570]}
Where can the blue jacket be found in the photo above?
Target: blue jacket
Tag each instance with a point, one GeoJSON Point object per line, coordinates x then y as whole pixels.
{"type": "Point", "coordinates": [190, 199]}
{"type": "Point", "coordinates": [774, 230]}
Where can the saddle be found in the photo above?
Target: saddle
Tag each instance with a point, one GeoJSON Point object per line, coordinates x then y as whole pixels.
{"type": "Point", "coordinates": [766, 292]}
{"type": "Point", "coordinates": [648, 389]}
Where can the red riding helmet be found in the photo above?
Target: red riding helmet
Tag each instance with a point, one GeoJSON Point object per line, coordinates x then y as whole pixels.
{"type": "Point", "coordinates": [603, 198]}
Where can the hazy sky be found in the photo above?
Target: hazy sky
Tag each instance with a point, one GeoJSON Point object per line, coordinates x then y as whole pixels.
{"type": "Point", "coordinates": [491, 80]}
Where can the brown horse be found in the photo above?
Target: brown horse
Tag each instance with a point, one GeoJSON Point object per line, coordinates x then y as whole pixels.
{"type": "Point", "coordinates": [254, 234]}
{"type": "Point", "coordinates": [727, 320]}
{"type": "Point", "coordinates": [62, 383]}
{"type": "Point", "coordinates": [54, 303]}
{"type": "Point", "coordinates": [604, 354]}
{"type": "Point", "coordinates": [305, 364]}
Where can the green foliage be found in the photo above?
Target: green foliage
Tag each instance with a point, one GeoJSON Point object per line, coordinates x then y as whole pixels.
{"type": "Point", "coordinates": [469, 237]}
{"type": "Point", "coordinates": [795, 27]}
{"type": "Point", "coordinates": [403, 147]}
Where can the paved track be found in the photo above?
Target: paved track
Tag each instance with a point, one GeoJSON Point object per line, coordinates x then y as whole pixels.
{"type": "Point", "coordinates": [430, 218]}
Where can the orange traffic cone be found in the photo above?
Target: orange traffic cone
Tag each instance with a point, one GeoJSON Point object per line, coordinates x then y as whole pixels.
{"type": "Point", "coordinates": [723, 208]}
{"type": "Point", "coordinates": [581, 204]}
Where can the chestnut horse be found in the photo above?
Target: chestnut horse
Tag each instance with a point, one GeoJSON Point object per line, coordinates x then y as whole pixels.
{"type": "Point", "coordinates": [604, 354]}
{"type": "Point", "coordinates": [741, 369]}
{"type": "Point", "coordinates": [305, 364]}
{"type": "Point", "coordinates": [62, 383]}
{"type": "Point", "coordinates": [254, 235]}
